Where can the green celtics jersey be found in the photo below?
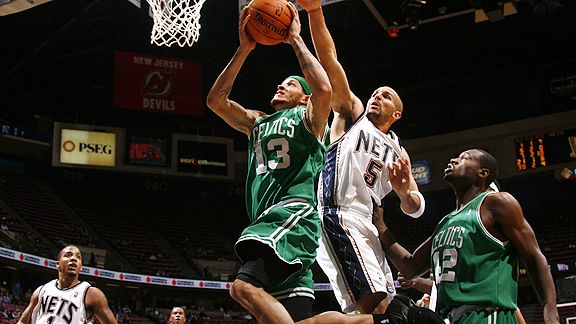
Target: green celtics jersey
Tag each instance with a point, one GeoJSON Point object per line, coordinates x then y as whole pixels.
{"type": "Point", "coordinates": [284, 161]}
{"type": "Point", "coordinates": [472, 267]}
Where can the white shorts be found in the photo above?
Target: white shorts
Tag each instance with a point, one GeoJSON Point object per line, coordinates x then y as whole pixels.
{"type": "Point", "coordinates": [351, 256]}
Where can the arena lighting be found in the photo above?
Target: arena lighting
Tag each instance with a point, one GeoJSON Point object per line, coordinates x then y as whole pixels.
{"type": "Point", "coordinates": [493, 10]}
{"type": "Point", "coordinates": [393, 30]}
{"type": "Point", "coordinates": [413, 18]}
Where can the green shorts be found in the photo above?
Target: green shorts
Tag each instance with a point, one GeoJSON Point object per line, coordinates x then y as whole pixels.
{"type": "Point", "coordinates": [505, 316]}
{"type": "Point", "coordinates": [292, 230]}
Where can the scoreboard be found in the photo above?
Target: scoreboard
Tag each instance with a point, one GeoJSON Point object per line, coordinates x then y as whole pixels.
{"type": "Point", "coordinates": [545, 149]}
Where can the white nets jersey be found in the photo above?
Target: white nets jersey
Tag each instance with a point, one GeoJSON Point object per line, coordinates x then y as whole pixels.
{"type": "Point", "coordinates": [355, 170]}
{"type": "Point", "coordinates": [61, 306]}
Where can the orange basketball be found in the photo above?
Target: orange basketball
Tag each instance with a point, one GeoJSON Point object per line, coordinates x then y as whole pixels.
{"type": "Point", "coordinates": [269, 21]}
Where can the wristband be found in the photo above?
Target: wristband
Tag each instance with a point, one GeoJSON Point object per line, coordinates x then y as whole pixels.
{"type": "Point", "coordinates": [420, 210]}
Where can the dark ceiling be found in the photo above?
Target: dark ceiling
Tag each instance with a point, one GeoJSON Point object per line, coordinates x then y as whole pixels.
{"type": "Point", "coordinates": [453, 73]}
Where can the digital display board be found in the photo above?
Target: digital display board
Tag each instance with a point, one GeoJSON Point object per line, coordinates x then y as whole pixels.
{"type": "Point", "coordinates": [147, 149]}
{"type": "Point", "coordinates": [538, 151]}
{"type": "Point", "coordinates": [87, 147]}
{"type": "Point", "coordinates": [202, 158]}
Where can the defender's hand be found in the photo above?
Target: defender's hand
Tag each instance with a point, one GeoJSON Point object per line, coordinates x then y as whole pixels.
{"type": "Point", "coordinates": [310, 5]}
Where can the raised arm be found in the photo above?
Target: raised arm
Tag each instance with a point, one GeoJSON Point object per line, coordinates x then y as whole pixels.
{"type": "Point", "coordinates": [411, 265]}
{"type": "Point", "coordinates": [97, 303]}
{"type": "Point", "coordinates": [232, 112]}
{"type": "Point", "coordinates": [503, 211]}
{"type": "Point", "coordinates": [318, 108]}
{"type": "Point", "coordinates": [345, 104]}
{"type": "Point", "coordinates": [27, 313]}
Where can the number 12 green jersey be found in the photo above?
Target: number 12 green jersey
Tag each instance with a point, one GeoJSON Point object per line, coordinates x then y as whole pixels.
{"type": "Point", "coordinates": [472, 267]}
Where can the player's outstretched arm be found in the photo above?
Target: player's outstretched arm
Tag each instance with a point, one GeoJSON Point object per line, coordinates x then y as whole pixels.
{"type": "Point", "coordinates": [412, 265]}
{"type": "Point", "coordinates": [344, 102]}
{"type": "Point", "coordinates": [318, 108]}
{"type": "Point", "coordinates": [97, 304]}
{"type": "Point", "coordinates": [232, 112]}
{"type": "Point", "coordinates": [507, 214]}
{"type": "Point", "coordinates": [27, 313]}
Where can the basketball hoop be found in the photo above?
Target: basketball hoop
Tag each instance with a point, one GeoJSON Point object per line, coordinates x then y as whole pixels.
{"type": "Point", "coordinates": [175, 21]}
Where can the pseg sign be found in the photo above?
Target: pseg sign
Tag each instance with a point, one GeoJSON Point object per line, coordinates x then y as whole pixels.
{"type": "Point", "coordinates": [87, 148]}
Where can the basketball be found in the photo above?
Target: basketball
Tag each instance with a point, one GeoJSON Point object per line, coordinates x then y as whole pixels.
{"type": "Point", "coordinates": [269, 21]}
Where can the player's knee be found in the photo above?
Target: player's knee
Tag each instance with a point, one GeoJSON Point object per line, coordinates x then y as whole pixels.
{"type": "Point", "coordinates": [242, 291]}
{"type": "Point", "coordinates": [237, 289]}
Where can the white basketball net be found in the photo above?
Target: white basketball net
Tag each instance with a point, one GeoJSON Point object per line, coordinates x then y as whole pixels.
{"type": "Point", "coordinates": [175, 21]}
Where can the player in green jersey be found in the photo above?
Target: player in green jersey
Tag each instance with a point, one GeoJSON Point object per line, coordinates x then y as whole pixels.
{"type": "Point", "coordinates": [286, 153]}
{"type": "Point", "coordinates": [474, 250]}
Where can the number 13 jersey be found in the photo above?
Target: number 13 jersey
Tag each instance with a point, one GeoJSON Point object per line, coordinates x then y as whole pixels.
{"type": "Point", "coordinates": [284, 161]}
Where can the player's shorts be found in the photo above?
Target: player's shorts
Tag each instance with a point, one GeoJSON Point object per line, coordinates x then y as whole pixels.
{"type": "Point", "coordinates": [291, 229]}
{"type": "Point", "coordinates": [505, 316]}
{"type": "Point", "coordinates": [352, 258]}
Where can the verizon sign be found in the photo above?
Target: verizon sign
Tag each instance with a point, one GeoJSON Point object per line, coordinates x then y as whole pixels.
{"type": "Point", "coordinates": [87, 147]}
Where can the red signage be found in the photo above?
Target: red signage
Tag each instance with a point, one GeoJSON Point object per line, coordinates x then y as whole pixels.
{"type": "Point", "coordinates": [157, 84]}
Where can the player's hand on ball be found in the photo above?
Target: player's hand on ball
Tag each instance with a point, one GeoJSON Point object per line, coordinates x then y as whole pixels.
{"type": "Point", "coordinates": [295, 26]}
{"type": "Point", "coordinates": [245, 40]}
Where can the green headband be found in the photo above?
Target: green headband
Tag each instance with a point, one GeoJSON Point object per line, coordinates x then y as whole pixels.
{"type": "Point", "coordinates": [303, 83]}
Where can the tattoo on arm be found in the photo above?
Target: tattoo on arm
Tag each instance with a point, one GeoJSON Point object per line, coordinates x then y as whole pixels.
{"type": "Point", "coordinates": [309, 65]}
{"type": "Point", "coordinates": [304, 56]}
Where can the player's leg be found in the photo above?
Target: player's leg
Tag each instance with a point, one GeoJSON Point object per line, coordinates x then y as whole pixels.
{"type": "Point", "coordinates": [267, 266]}
{"type": "Point", "coordinates": [400, 310]}
{"type": "Point", "coordinates": [299, 307]}
{"type": "Point", "coordinates": [259, 303]}
{"type": "Point", "coordinates": [336, 317]}
{"type": "Point", "coordinates": [351, 257]}
{"type": "Point", "coordinates": [254, 278]}
{"type": "Point", "coordinates": [299, 243]}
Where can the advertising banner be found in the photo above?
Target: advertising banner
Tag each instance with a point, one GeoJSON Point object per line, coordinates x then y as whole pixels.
{"type": "Point", "coordinates": [421, 172]}
{"type": "Point", "coordinates": [157, 84]}
{"type": "Point", "coordinates": [129, 277]}
{"type": "Point", "coordinates": [87, 148]}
